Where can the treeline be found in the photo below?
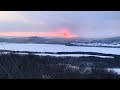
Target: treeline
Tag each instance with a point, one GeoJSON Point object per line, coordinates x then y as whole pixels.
{"type": "Point", "coordinates": [88, 53]}
{"type": "Point", "coordinates": [69, 44]}
{"type": "Point", "coordinates": [15, 66]}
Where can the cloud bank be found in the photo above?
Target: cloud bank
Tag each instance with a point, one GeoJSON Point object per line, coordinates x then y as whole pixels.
{"type": "Point", "coordinates": [88, 24]}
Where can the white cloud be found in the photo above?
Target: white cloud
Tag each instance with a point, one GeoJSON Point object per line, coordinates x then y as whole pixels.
{"type": "Point", "coordinates": [18, 16]}
{"type": "Point", "coordinates": [12, 16]}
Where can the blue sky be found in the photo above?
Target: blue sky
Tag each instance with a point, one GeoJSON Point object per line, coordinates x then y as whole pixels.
{"type": "Point", "coordinates": [88, 24]}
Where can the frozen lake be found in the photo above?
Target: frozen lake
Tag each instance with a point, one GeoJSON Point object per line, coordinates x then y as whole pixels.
{"type": "Point", "coordinates": [57, 48]}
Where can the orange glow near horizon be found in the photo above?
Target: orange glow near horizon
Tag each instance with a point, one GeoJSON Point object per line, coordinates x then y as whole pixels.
{"type": "Point", "coordinates": [60, 33]}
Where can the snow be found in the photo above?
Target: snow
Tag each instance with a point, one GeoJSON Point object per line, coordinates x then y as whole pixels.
{"type": "Point", "coordinates": [98, 44]}
{"type": "Point", "coordinates": [72, 67]}
{"type": "Point", "coordinates": [57, 48]}
{"type": "Point", "coordinates": [117, 70]}
{"type": "Point", "coordinates": [64, 55]}
{"type": "Point", "coordinates": [73, 55]}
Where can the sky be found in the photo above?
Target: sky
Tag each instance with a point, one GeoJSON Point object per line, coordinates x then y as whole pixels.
{"type": "Point", "coordinates": [67, 24]}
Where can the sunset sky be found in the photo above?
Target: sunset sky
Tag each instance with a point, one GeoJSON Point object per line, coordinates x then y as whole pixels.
{"type": "Point", "coordinates": [85, 24]}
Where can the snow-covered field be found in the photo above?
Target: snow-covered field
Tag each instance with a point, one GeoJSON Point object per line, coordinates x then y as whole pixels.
{"type": "Point", "coordinates": [66, 55]}
{"type": "Point", "coordinates": [73, 55]}
{"type": "Point", "coordinates": [57, 48]}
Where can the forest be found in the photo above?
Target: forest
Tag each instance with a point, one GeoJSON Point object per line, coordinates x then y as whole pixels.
{"type": "Point", "coordinates": [16, 66]}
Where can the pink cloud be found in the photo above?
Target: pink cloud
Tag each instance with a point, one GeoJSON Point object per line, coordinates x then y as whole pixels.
{"type": "Point", "coordinates": [63, 32]}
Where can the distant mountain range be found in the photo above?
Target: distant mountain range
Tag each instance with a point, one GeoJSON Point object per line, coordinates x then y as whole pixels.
{"type": "Point", "coordinates": [42, 40]}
